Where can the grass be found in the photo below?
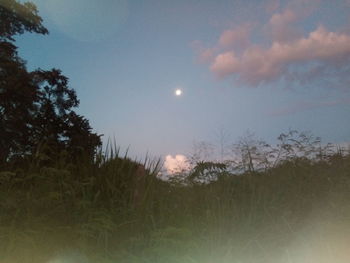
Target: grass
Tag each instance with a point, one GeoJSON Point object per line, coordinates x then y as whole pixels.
{"type": "Point", "coordinates": [296, 212]}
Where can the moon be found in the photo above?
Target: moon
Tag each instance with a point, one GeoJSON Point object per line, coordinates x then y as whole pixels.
{"type": "Point", "coordinates": [178, 92]}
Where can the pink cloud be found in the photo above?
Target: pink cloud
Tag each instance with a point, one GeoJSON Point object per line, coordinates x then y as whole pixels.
{"type": "Point", "coordinates": [204, 55]}
{"type": "Point", "coordinates": [285, 53]}
{"type": "Point", "coordinates": [288, 16]}
{"type": "Point", "coordinates": [225, 64]}
{"type": "Point", "coordinates": [258, 64]}
{"type": "Point", "coordinates": [308, 105]}
{"type": "Point", "coordinates": [304, 8]}
{"type": "Point", "coordinates": [235, 38]}
{"type": "Point", "coordinates": [176, 164]}
{"type": "Point", "coordinates": [301, 7]}
{"type": "Point", "coordinates": [280, 26]}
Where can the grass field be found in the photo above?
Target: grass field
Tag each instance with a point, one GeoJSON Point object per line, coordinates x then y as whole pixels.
{"type": "Point", "coordinates": [296, 212]}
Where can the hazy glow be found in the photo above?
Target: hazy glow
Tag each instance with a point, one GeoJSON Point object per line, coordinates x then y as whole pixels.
{"type": "Point", "coordinates": [176, 164]}
{"type": "Point", "coordinates": [178, 92]}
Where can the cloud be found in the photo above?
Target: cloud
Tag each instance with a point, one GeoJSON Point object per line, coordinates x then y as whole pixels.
{"type": "Point", "coordinates": [204, 55]}
{"type": "Point", "coordinates": [308, 105]}
{"type": "Point", "coordinates": [176, 164]}
{"type": "Point", "coordinates": [237, 37]}
{"type": "Point", "coordinates": [304, 8]}
{"type": "Point", "coordinates": [281, 28]}
{"type": "Point", "coordinates": [226, 64]}
{"type": "Point", "coordinates": [286, 17]}
{"type": "Point", "coordinates": [258, 64]}
{"type": "Point", "coordinates": [282, 51]}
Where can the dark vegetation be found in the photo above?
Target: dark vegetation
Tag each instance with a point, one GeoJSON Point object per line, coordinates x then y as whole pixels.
{"type": "Point", "coordinates": [61, 195]}
{"type": "Point", "coordinates": [36, 108]}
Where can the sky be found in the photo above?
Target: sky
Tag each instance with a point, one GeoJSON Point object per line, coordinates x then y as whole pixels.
{"type": "Point", "coordinates": [263, 66]}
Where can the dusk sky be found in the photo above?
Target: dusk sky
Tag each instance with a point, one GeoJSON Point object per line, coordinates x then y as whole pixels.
{"type": "Point", "coordinates": [266, 66]}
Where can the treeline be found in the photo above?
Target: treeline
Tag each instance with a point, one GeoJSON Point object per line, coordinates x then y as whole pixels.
{"type": "Point", "coordinates": [251, 155]}
{"type": "Point", "coordinates": [38, 123]}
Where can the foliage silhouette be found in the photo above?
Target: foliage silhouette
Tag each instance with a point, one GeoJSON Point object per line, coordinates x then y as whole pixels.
{"type": "Point", "coordinates": [17, 18]}
{"type": "Point", "coordinates": [36, 108]}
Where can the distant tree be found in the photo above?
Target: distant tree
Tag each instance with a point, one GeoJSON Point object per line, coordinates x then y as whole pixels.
{"type": "Point", "coordinates": [201, 151]}
{"type": "Point", "coordinates": [294, 145]}
{"type": "Point", "coordinates": [251, 154]}
{"type": "Point", "coordinates": [205, 172]}
{"type": "Point", "coordinates": [36, 108]}
{"type": "Point", "coordinates": [222, 141]}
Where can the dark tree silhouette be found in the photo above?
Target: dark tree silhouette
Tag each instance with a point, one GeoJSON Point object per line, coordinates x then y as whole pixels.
{"type": "Point", "coordinates": [80, 141]}
{"type": "Point", "coordinates": [17, 96]}
{"type": "Point", "coordinates": [36, 108]}
{"type": "Point", "coordinates": [16, 18]}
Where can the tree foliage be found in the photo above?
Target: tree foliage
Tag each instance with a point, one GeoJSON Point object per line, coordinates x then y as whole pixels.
{"type": "Point", "coordinates": [36, 108]}
{"type": "Point", "coordinates": [251, 155]}
{"type": "Point", "coordinates": [17, 18]}
{"type": "Point", "coordinates": [255, 155]}
{"type": "Point", "coordinates": [207, 172]}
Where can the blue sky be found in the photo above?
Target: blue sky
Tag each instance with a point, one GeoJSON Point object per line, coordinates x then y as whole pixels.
{"type": "Point", "coordinates": [265, 66]}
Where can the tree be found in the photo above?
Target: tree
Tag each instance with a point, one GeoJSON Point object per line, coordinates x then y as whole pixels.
{"type": "Point", "coordinates": [80, 141]}
{"type": "Point", "coordinates": [294, 146]}
{"type": "Point", "coordinates": [206, 172]}
{"type": "Point", "coordinates": [17, 18]}
{"type": "Point", "coordinates": [201, 151]}
{"type": "Point", "coordinates": [36, 108]}
{"type": "Point", "coordinates": [17, 90]}
{"type": "Point", "coordinates": [251, 154]}
{"type": "Point", "coordinates": [222, 137]}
